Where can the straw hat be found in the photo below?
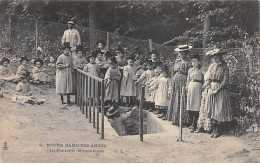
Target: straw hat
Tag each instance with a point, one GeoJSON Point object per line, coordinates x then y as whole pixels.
{"type": "Point", "coordinates": [181, 48]}
{"type": "Point", "coordinates": [215, 51]}
{"type": "Point", "coordinates": [113, 110]}
{"type": "Point", "coordinates": [4, 59]}
{"type": "Point", "coordinates": [71, 22]}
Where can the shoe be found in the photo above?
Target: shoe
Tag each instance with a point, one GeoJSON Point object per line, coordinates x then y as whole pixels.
{"type": "Point", "coordinates": [192, 129]}
{"type": "Point", "coordinates": [156, 112]}
{"type": "Point", "coordinates": [217, 132]}
{"type": "Point", "coordinates": [150, 110]}
{"type": "Point", "coordinates": [160, 115]}
{"type": "Point", "coordinates": [198, 130]}
{"type": "Point", "coordinates": [164, 118]}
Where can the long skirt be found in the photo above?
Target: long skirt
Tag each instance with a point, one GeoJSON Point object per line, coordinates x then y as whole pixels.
{"type": "Point", "coordinates": [218, 105]}
{"type": "Point", "coordinates": [194, 96]}
{"type": "Point", "coordinates": [178, 84]}
{"type": "Point", "coordinates": [111, 92]}
{"type": "Point", "coordinates": [203, 121]}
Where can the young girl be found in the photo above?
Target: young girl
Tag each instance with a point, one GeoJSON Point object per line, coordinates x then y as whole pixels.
{"type": "Point", "coordinates": [23, 93]}
{"type": "Point", "coordinates": [5, 71]}
{"type": "Point", "coordinates": [101, 46]}
{"type": "Point", "coordinates": [79, 61]}
{"type": "Point", "coordinates": [139, 84]}
{"type": "Point", "coordinates": [128, 88]}
{"type": "Point", "coordinates": [145, 77]}
{"type": "Point", "coordinates": [64, 74]}
{"type": "Point", "coordinates": [194, 88]}
{"type": "Point", "coordinates": [39, 75]}
{"type": "Point", "coordinates": [162, 99]}
{"type": "Point", "coordinates": [92, 68]}
{"type": "Point", "coordinates": [149, 84]}
{"type": "Point", "coordinates": [112, 80]}
{"type": "Point", "coordinates": [101, 61]}
{"type": "Point", "coordinates": [23, 68]}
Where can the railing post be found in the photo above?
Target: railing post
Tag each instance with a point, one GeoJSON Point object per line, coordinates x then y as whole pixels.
{"type": "Point", "coordinates": [102, 109]}
{"type": "Point", "coordinates": [140, 114]}
{"type": "Point", "coordinates": [94, 102]}
{"type": "Point", "coordinates": [91, 98]}
{"type": "Point", "coordinates": [77, 89]}
{"type": "Point", "coordinates": [150, 44]}
{"type": "Point", "coordinates": [80, 78]}
{"type": "Point", "coordinates": [36, 37]}
{"type": "Point", "coordinates": [98, 93]}
{"type": "Point", "coordinates": [107, 41]}
{"type": "Point", "coordinates": [180, 118]}
{"type": "Point", "coordinates": [82, 92]}
{"type": "Point", "coordinates": [87, 100]}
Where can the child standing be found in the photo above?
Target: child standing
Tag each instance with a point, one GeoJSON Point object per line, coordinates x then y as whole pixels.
{"type": "Point", "coordinates": [92, 68]}
{"type": "Point", "coordinates": [162, 98]}
{"type": "Point", "coordinates": [112, 80]}
{"type": "Point", "coordinates": [79, 61]}
{"type": "Point", "coordinates": [64, 73]}
{"type": "Point", "coordinates": [152, 81]}
{"type": "Point", "coordinates": [145, 77]}
{"type": "Point", "coordinates": [23, 68]}
{"type": "Point", "coordinates": [128, 88]}
{"type": "Point", "coordinates": [139, 84]}
{"type": "Point", "coordinates": [39, 75]}
{"type": "Point", "coordinates": [23, 93]}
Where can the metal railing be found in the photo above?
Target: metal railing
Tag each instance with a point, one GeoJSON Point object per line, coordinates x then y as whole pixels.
{"type": "Point", "coordinates": [90, 98]}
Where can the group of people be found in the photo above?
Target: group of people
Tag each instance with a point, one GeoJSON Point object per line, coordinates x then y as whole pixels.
{"type": "Point", "coordinates": [23, 76]}
{"type": "Point", "coordinates": [203, 96]}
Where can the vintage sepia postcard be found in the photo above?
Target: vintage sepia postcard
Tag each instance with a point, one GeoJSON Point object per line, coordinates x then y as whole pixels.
{"type": "Point", "coordinates": [129, 81]}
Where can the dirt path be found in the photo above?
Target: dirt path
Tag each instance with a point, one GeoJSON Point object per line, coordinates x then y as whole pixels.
{"type": "Point", "coordinates": [28, 129]}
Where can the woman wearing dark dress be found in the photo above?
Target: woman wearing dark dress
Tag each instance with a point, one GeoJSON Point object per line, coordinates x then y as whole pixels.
{"type": "Point", "coordinates": [178, 81]}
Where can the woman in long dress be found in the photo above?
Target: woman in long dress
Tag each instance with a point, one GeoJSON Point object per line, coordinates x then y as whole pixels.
{"type": "Point", "coordinates": [194, 88]}
{"type": "Point", "coordinates": [218, 98]}
{"type": "Point", "coordinates": [64, 73]}
{"type": "Point", "coordinates": [177, 86]}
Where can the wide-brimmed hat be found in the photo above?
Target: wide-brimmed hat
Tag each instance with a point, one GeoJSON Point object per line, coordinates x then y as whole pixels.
{"type": "Point", "coordinates": [154, 51]}
{"type": "Point", "coordinates": [24, 59]}
{"type": "Point", "coordinates": [120, 49]}
{"type": "Point", "coordinates": [101, 41]}
{"type": "Point", "coordinates": [195, 56]}
{"type": "Point", "coordinates": [181, 48]}
{"type": "Point", "coordinates": [66, 45]}
{"type": "Point", "coordinates": [96, 52]}
{"type": "Point", "coordinates": [113, 110]}
{"type": "Point", "coordinates": [113, 60]}
{"type": "Point", "coordinates": [215, 51]}
{"type": "Point", "coordinates": [4, 59]}
{"type": "Point", "coordinates": [136, 50]}
{"type": "Point", "coordinates": [38, 60]}
{"type": "Point", "coordinates": [79, 48]}
{"type": "Point", "coordinates": [71, 22]}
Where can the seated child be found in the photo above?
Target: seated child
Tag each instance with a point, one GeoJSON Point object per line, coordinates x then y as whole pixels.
{"type": "Point", "coordinates": [23, 93]}
{"type": "Point", "coordinates": [39, 74]}
{"type": "Point", "coordinates": [5, 71]}
{"type": "Point", "coordinates": [23, 68]}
